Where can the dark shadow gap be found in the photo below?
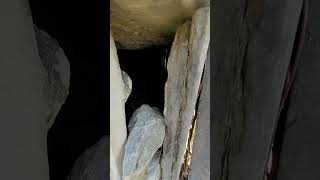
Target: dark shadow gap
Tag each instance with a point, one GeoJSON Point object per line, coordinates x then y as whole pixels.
{"type": "Point", "coordinates": [81, 31]}
{"type": "Point", "coordinates": [146, 68]}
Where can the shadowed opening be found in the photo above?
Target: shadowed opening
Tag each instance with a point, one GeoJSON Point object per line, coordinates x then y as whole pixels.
{"type": "Point", "coordinates": [80, 29]}
{"type": "Point", "coordinates": [147, 71]}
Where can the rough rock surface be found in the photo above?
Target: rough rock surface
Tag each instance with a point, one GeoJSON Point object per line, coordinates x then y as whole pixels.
{"type": "Point", "coordinates": [57, 73]}
{"type": "Point", "coordinates": [144, 140]}
{"type": "Point", "coordinates": [185, 68]}
{"type": "Point", "coordinates": [154, 169]}
{"type": "Point", "coordinates": [140, 24]}
{"type": "Point", "coordinates": [93, 164]}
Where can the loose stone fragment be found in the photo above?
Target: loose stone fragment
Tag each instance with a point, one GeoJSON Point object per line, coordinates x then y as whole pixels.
{"type": "Point", "coordinates": [56, 71]}
{"type": "Point", "coordinates": [144, 140]}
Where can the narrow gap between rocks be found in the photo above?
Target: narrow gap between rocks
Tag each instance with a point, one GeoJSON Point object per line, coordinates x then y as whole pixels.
{"type": "Point", "coordinates": [80, 29]}
{"type": "Point", "coordinates": [185, 168]}
{"type": "Point", "coordinates": [147, 71]}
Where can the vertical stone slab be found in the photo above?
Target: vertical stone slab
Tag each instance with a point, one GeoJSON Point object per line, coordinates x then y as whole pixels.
{"type": "Point", "coordinates": [200, 162]}
{"type": "Point", "coordinates": [253, 42]}
{"type": "Point", "coordinates": [178, 55]}
{"type": "Point", "coordinates": [120, 86]}
{"type": "Point", "coordinates": [23, 103]}
{"type": "Point", "coordinates": [299, 158]}
{"type": "Point", "coordinates": [265, 70]}
{"type": "Point", "coordinates": [185, 67]}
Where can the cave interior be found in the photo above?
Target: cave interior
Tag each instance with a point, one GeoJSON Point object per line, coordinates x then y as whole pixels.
{"type": "Point", "coordinates": [81, 31]}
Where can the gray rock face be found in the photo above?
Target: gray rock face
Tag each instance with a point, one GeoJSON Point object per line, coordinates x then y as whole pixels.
{"type": "Point", "coordinates": [23, 152]}
{"type": "Point", "coordinates": [146, 136]}
{"type": "Point", "coordinates": [299, 157]}
{"type": "Point", "coordinates": [251, 53]}
{"type": "Point", "coordinates": [56, 72]}
{"type": "Point", "coordinates": [93, 164]}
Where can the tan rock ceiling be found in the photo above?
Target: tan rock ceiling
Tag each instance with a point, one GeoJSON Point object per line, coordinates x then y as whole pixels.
{"type": "Point", "coordinates": [144, 23]}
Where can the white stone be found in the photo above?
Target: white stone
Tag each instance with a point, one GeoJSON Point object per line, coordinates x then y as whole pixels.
{"type": "Point", "coordinates": [144, 140]}
{"type": "Point", "coordinates": [120, 88]}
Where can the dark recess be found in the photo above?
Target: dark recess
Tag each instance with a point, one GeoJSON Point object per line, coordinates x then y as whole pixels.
{"type": "Point", "coordinates": [82, 31]}
{"type": "Point", "coordinates": [147, 71]}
